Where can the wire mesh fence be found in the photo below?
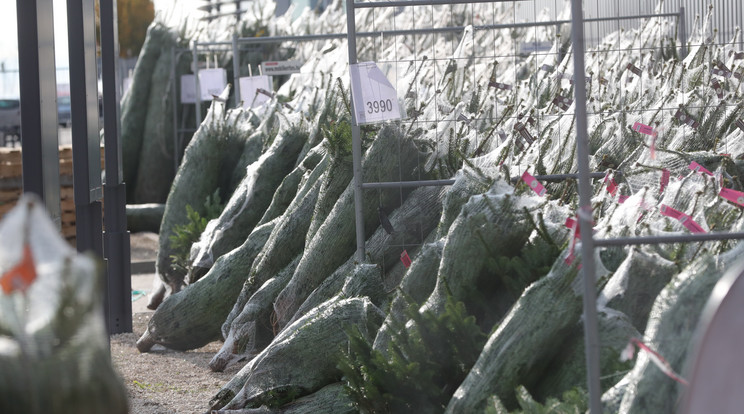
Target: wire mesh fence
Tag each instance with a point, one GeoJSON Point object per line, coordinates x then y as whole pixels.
{"type": "Point", "coordinates": [503, 95]}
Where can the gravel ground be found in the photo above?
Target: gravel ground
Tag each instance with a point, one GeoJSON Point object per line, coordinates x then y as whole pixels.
{"type": "Point", "coordinates": [165, 381]}
{"type": "Point", "coordinates": [162, 381]}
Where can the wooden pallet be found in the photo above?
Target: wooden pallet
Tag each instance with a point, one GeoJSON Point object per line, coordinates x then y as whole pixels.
{"type": "Point", "coordinates": [11, 174]}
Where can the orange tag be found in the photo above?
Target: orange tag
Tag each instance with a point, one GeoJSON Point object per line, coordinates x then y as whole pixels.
{"type": "Point", "coordinates": [22, 275]}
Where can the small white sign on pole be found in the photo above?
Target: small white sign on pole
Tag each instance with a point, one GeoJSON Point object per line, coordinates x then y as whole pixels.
{"type": "Point", "coordinates": [212, 82]}
{"type": "Point", "coordinates": [249, 87]}
{"type": "Point", "coordinates": [375, 98]}
{"type": "Point", "coordinates": [126, 84]}
{"type": "Point", "coordinates": [535, 47]}
{"type": "Point", "coordinates": [188, 89]}
{"type": "Point", "coordinates": [281, 67]}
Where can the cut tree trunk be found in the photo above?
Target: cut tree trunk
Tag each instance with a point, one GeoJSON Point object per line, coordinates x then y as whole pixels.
{"type": "Point", "coordinates": [191, 318]}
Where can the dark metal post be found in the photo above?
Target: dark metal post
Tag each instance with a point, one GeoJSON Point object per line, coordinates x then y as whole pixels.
{"type": "Point", "coordinates": [86, 142]}
{"type": "Point", "coordinates": [682, 33]}
{"type": "Point", "coordinates": [236, 67]}
{"type": "Point", "coordinates": [585, 213]}
{"type": "Point", "coordinates": [116, 240]}
{"type": "Point", "coordinates": [356, 142]}
{"type": "Point", "coordinates": [197, 86]}
{"type": "Point", "coordinates": [38, 82]}
{"type": "Point", "coordinates": [175, 99]}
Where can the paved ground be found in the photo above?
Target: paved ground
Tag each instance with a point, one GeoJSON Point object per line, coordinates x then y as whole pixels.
{"type": "Point", "coordinates": [144, 248]}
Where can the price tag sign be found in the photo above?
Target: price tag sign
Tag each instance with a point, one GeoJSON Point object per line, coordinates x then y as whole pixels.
{"type": "Point", "coordinates": [611, 184]}
{"type": "Point", "coordinates": [535, 47]}
{"type": "Point", "coordinates": [535, 185]}
{"type": "Point", "coordinates": [643, 129]}
{"type": "Point", "coordinates": [375, 98]}
{"type": "Point", "coordinates": [665, 174]}
{"type": "Point", "coordinates": [736, 197]}
{"type": "Point", "coordinates": [188, 89]}
{"type": "Point", "coordinates": [249, 90]}
{"type": "Point", "coordinates": [212, 82]}
{"type": "Point", "coordinates": [683, 218]}
{"type": "Point", "coordinates": [283, 67]}
{"type": "Point", "coordinates": [699, 168]}
{"type": "Point", "coordinates": [405, 259]}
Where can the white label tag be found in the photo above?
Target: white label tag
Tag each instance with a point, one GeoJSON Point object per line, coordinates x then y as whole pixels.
{"type": "Point", "coordinates": [188, 89]}
{"type": "Point", "coordinates": [375, 98]}
{"type": "Point", "coordinates": [249, 87]}
{"type": "Point", "coordinates": [535, 47]}
{"type": "Point", "coordinates": [212, 82]}
{"type": "Point", "coordinates": [282, 67]}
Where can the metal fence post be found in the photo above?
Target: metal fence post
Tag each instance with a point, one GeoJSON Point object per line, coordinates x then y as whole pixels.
{"type": "Point", "coordinates": [682, 32]}
{"type": "Point", "coordinates": [236, 69]}
{"type": "Point", "coordinates": [38, 89]}
{"type": "Point", "coordinates": [585, 213]}
{"type": "Point", "coordinates": [197, 104]}
{"type": "Point", "coordinates": [356, 142]}
{"type": "Point", "coordinates": [116, 238]}
{"type": "Point", "coordinates": [175, 100]}
{"type": "Point", "coordinates": [86, 140]}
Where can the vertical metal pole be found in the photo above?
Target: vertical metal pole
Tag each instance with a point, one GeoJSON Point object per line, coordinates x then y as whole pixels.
{"type": "Point", "coordinates": [86, 141]}
{"type": "Point", "coordinates": [116, 237]}
{"type": "Point", "coordinates": [356, 142]}
{"type": "Point", "coordinates": [175, 100]}
{"type": "Point", "coordinates": [197, 105]}
{"type": "Point", "coordinates": [585, 213]}
{"type": "Point", "coordinates": [38, 88]}
{"type": "Point", "coordinates": [682, 33]}
{"type": "Point", "coordinates": [236, 67]}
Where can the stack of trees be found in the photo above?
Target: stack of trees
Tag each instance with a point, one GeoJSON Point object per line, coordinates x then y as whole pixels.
{"type": "Point", "coordinates": [487, 317]}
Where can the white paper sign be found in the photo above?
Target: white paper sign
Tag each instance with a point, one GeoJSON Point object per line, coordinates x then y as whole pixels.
{"type": "Point", "coordinates": [535, 47]}
{"type": "Point", "coordinates": [188, 89]}
{"type": "Point", "coordinates": [249, 87]}
{"type": "Point", "coordinates": [212, 82]}
{"type": "Point", "coordinates": [126, 84]}
{"type": "Point", "coordinates": [375, 98]}
{"type": "Point", "coordinates": [281, 67]}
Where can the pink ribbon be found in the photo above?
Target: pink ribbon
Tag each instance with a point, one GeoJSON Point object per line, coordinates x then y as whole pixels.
{"type": "Point", "coordinates": [535, 185]}
{"type": "Point", "coordinates": [736, 197]}
{"type": "Point", "coordinates": [699, 168]}
{"type": "Point", "coordinates": [683, 218]}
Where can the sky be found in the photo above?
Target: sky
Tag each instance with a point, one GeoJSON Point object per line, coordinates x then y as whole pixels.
{"type": "Point", "coordinates": [167, 9]}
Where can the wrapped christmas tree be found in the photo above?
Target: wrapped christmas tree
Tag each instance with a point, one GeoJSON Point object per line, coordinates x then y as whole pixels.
{"type": "Point", "coordinates": [54, 355]}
